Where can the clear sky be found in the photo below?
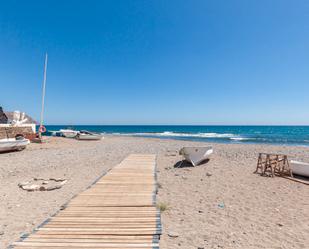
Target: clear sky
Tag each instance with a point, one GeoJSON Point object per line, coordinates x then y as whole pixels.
{"type": "Point", "coordinates": [157, 62]}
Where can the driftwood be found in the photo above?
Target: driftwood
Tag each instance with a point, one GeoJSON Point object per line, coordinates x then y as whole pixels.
{"type": "Point", "coordinates": [40, 184]}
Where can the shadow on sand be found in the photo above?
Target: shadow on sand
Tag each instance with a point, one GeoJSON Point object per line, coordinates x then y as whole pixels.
{"type": "Point", "coordinates": [185, 164]}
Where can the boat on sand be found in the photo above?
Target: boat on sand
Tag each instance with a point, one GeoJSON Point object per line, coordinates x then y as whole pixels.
{"type": "Point", "coordinates": [69, 133]}
{"type": "Point", "coordinates": [299, 168]}
{"type": "Point", "coordinates": [12, 144]}
{"type": "Point", "coordinates": [196, 155]}
{"type": "Point", "coordinates": [87, 135]}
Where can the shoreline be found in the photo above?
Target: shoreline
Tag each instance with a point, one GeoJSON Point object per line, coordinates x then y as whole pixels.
{"type": "Point", "coordinates": [275, 135]}
{"type": "Point", "coordinates": [207, 142]}
{"type": "Point", "coordinates": [192, 195]}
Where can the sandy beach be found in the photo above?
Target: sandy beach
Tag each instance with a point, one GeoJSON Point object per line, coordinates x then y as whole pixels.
{"type": "Point", "coordinates": [220, 204]}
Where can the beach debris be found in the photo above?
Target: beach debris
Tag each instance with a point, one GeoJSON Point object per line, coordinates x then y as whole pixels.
{"type": "Point", "coordinates": [273, 164]}
{"type": "Point", "coordinates": [162, 206]}
{"type": "Point", "coordinates": [221, 205]}
{"type": "Point", "coordinates": [170, 154]}
{"type": "Point", "coordinates": [23, 184]}
{"type": "Point", "coordinates": [32, 187]}
{"type": "Point", "coordinates": [208, 174]}
{"type": "Point", "coordinates": [173, 234]}
{"type": "Point", "coordinates": [41, 184]}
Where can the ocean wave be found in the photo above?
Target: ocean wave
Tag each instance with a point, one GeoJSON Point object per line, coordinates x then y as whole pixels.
{"type": "Point", "coordinates": [176, 134]}
{"type": "Point", "coordinates": [241, 138]}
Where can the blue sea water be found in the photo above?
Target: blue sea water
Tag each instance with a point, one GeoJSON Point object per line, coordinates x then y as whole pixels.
{"type": "Point", "coordinates": [283, 135]}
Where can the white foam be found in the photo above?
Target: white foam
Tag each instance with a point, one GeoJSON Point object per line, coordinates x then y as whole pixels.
{"type": "Point", "coordinates": [241, 138]}
{"type": "Point", "coordinates": [176, 134]}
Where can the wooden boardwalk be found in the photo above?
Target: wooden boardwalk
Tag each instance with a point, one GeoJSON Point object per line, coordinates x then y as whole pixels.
{"type": "Point", "coordinates": [117, 212]}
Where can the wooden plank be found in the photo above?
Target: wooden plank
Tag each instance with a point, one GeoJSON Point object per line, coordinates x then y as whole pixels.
{"type": "Point", "coordinates": [117, 212]}
{"type": "Point", "coordinates": [303, 181]}
{"type": "Point", "coordinates": [85, 244]}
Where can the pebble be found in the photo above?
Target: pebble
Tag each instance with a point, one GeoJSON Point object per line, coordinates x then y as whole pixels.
{"type": "Point", "coordinates": [208, 174]}
{"type": "Point", "coordinates": [173, 234]}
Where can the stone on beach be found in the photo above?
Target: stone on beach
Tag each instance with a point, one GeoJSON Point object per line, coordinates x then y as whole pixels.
{"type": "Point", "coordinates": [42, 184]}
{"type": "Point", "coordinates": [173, 234]}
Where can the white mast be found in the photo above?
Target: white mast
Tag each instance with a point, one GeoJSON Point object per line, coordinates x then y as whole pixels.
{"type": "Point", "coordinates": [43, 94]}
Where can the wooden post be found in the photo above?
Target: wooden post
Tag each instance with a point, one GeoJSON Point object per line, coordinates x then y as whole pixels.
{"type": "Point", "coordinates": [43, 96]}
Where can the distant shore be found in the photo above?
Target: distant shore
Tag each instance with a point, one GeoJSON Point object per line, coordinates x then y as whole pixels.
{"type": "Point", "coordinates": [220, 204]}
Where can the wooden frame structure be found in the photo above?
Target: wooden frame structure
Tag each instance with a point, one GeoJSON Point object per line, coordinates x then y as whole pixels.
{"type": "Point", "coordinates": [117, 212]}
{"type": "Point", "coordinates": [273, 164]}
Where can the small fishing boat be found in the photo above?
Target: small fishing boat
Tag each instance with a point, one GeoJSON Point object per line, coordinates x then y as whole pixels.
{"type": "Point", "coordinates": [196, 155]}
{"type": "Point", "coordinates": [87, 135]}
{"type": "Point", "coordinates": [300, 168]}
{"type": "Point", "coordinates": [12, 144]}
{"type": "Point", "coordinates": [55, 133]}
{"type": "Point", "coordinates": [69, 133]}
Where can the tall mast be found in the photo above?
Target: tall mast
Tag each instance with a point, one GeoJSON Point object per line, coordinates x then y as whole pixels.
{"type": "Point", "coordinates": [43, 94]}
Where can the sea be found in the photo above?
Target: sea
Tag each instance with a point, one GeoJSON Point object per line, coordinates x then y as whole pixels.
{"type": "Point", "coordinates": [278, 135]}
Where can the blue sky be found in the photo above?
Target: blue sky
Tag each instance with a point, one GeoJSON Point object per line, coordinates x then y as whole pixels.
{"type": "Point", "coordinates": [157, 62]}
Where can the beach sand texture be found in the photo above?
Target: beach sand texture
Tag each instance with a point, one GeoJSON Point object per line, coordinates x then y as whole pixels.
{"type": "Point", "coordinates": [220, 204]}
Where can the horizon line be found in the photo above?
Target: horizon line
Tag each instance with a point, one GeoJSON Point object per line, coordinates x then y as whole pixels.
{"type": "Point", "coordinates": [176, 124]}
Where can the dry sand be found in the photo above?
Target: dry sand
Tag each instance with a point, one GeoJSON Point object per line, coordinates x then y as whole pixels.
{"type": "Point", "coordinates": [220, 204]}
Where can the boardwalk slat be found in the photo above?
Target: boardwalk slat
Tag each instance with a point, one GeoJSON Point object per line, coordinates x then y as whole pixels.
{"type": "Point", "coordinates": [117, 212]}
